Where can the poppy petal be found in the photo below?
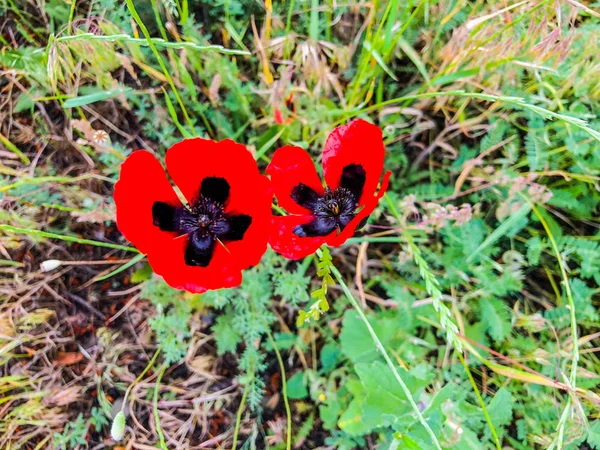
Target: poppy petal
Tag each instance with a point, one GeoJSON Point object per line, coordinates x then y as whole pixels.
{"type": "Point", "coordinates": [287, 243]}
{"type": "Point", "coordinates": [200, 248]}
{"type": "Point", "coordinates": [249, 206]}
{"type": "Point", "coordinates": [215, 188]}
{"type": "Point", "coordinates": [192, 161]}
{"type": "Point", "coordinates": [358, 143]}
{"type": "Point", "coordinates": [169, 262]}
{"type": "Point", "coordinates": [142, 184]}
{"type": "Point", "coordinates": [369, 206]}
{"type": "Point", "coordinates": [318, 226]}
{"type": "Point", "coordinates": [291, 167]}
{"type": "Point", "coordinates": [237, 228]}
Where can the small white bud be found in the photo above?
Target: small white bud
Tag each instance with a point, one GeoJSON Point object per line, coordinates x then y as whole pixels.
{"type": "Point", "coordinates": [117, 430]}
{"type": "Point", "coordinates": [50, 264]}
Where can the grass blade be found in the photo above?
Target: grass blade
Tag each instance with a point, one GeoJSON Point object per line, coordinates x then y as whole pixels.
{"type": "Point", "coordinates": [95, 97]}
{"type": "Point", "coordinates": [125, 266]}
{"type": "Point", "coordinates": [13, 148]}
{"type": "Point", "coordinates": [17, 230]}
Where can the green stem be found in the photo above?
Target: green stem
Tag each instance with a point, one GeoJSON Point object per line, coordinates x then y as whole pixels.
{"type": "Point", "coordinates": [71, 15]}
{"type": "Point", "coordinates": [573, 319]}
{"type": "Point", "coordinates": [161, 27]}
{"type": "Point", "coordinates": [432, 285]}
{"type": "Point", "coordinates": [158, 42]}
{"type": "Point", "coordinates": [288, 27]}
{"type": "Point", "coordinates": [386, 356]}
{"type": "Point", "coordinates": [481, 402]}
{"type": "Point", "coordinates": [238, 420]}
{"type": "Point", "coordinates": [284, 391]}
{"type": "Point", "coordinates": [161, 436]}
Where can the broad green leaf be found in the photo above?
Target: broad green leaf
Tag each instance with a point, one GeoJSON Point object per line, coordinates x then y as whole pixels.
{"type": "Point", "coordinates": [356, 341]}
{"type": "Point", "coordinates": [296, 388]}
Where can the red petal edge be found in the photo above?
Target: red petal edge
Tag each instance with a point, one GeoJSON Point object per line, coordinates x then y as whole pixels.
{"type": "Point", "coordinates": [142, 182]}
{"type": "Point", "coordinates": [369, 206]}
{"type": "Point", "coordinates": [288, 244]}
{"type": "Point", "coordinates": [358, 142]}
{"type": "Point", "coordinates": [289, 167]}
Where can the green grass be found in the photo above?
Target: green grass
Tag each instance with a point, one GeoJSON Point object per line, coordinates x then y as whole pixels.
{"type": "Point", "coordinates": [472, 321]}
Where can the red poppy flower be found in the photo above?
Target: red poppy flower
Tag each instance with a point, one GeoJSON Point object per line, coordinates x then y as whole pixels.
{"type": "Point", "coordinates": [352, 167]}
{"type": "Point", "coordinates": [220, 230]}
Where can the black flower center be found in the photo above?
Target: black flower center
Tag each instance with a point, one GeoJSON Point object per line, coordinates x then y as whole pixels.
{"type": "Point", "coordinates": [334, 209]}
{"type": "Point", "coordinates": [204, 222]}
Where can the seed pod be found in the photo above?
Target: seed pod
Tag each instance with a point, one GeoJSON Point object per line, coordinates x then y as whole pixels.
{"type": "Point", "coordinates": [49, 265]}
{"type": "Point", "coordinates": [117, 430]}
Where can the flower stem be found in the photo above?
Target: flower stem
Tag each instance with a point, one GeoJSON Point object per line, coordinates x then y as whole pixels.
{"type": "Point", "coordinates": [480, 400]}
{"type": "Point", "coordinates": [386, 356]}
{"type": "Point", "coordinates": [558, 440]}
{"type": "Point", "coordinates": [288, 412]}
{"type": "Point", "coordinates": [238, 420]}
{"type": "Point", "coordinates": [161, 436]}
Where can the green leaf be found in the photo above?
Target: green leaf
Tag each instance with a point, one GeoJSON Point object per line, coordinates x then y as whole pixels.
{"type": "Point", "coordinates": [330, 355]}
{"type": "Point", "coordinates": [226, 334]}
{"type": "Point", "coordinates": [506, 228]}
{"type": "Point", "coordinates": [383, 400]}
{"type": "Point", "coordinates": [537, 152]}
{"type": "Point", "coordinates": [593, 437]}
{"type": "Point", "coordinates": [329, 412]}
{"type": "Point", "coordinates": [125, 266]}
{"type": "Point", "coordinates": [356, 341]}
{"type": "Point", "coordinates": [500, 407]}
{"type": "Point", "coordinates": [296, 388]}
{"type": "Point", "coordinates": [142, 274]}
{"type": "Point", "coordinates": [495, 316]}
{"type": "Point", "coordinates": [351, 421]}
{"type": "Point", "coordinates": [534, 250]}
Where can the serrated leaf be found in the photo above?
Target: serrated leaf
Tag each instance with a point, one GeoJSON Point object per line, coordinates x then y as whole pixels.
{"type": "Point", "coordinates": [534, 250]}
{"type": "Point", "coordinates": [226, 334]}
{"type": "Point", "coordinates": [593, 437]}
{"type": "Point", "coordinates": [500, 407]}
{"type": "Point", "coordinates": [495, 317]}
{"type": "Point", "coordinates": [384, 402]}
{"type": "Point", "coordinates": [355, 340]}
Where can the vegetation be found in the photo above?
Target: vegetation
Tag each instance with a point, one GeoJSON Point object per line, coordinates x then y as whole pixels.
{"type": "Point", "coordinates": [463, 316]}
